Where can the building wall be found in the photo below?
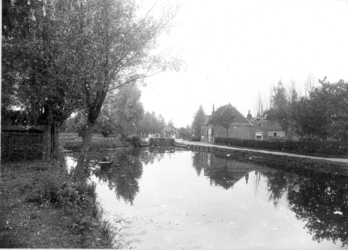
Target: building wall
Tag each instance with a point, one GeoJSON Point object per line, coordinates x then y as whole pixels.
{"type": "Point", "coordinates": [240, 131]}
{"type": "Point", "coordinates": [276, 135]}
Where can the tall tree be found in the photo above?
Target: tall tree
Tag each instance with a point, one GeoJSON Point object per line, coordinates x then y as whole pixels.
{"type": "Point", "coordinates": [279, 109]}
{"type": "Point", "coordinates": [324, 113]}
{"type": "Point", "coordinates": [37, 64]}
{"type": "Point", "coordinates": [122, 112]}
{"type": "Point", "coordinates": [310, 84]}
{"type": "Point", "coordinates": [259, 106]}
{"type": "Point", "coordinates": [151, 124]}
{"type": "Point", "coordinates": [310, 119]}
{"type": "Point", "coordinates": [224, 116]}
{"type": "Point", "coordinates": [116, 49]}
{"type": "Point", "coordinates": [198, 120]}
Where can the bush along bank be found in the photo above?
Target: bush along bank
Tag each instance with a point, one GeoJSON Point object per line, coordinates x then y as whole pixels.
{"type": "Point", "coordinates": [100, 143]}
{"type": "Point", "coordinates": [316, 148]}
{"type": "Point", "coordinates": [96, 144]}
{"type": "Point", "coordinates": [42, 207]}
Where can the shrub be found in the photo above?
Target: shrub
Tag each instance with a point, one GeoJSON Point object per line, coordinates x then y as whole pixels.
{"type": "Point", "coordinates": [55, 187]}
{"type": "Point", "coordinates": [195, 139]}
{"type": "Point", "coordinates": [96, 143]}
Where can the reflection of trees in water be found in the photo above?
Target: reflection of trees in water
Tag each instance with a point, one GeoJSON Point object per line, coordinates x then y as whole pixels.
{"type": "Point", "coordinates": [122, 174]}
{"type": "Point", "coordinates": [156, 153]}
{"type": "Point", "coordinates": [276, 185]}
{"type": "Point", "coordinates": [197, 163]}
{"type": "Point", "coordinates": [319, 199]}
{"type": "Point", "coordinates": [323, 203]}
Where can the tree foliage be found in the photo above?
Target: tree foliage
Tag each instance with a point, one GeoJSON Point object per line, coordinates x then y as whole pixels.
{"type": "Point", "coordinates": [122, 112]}
{"type": "Point", "coordinates": [324, 113]}
{"type": "Point", "coordinates": [198, 120]}
{"type": "Point", "coordinates": [186, 132]}
{"type": "Point", "coordinates": [38, 64]}
{"type": "Point", "coordinates": [224, 116]}
{"type": "Point", "coordinates": [63, 56]}
{"type": "Point", "coordinates": [279, 109]}
{"type": "Point", "coordinates": [116, 45]}
{"type": "Point", "coordinates": [151, 123]}
{"type": "Point", "coordinates": [321, 114]}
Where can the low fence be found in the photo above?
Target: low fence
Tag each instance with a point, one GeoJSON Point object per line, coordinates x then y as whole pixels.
{"type": "Point", "coordinates": [21, 143]}
{"type": "Point", "coordinates": [319, 148]}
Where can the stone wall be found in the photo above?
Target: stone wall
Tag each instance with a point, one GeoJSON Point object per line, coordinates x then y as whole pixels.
{"type": "Point", "coordinates": [18, 143]}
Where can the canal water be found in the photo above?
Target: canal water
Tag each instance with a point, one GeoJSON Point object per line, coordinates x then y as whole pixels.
{"type": "Point", "coordinates": [166, 198]}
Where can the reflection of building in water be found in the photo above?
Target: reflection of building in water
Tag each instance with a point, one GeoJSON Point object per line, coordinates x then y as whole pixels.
{"type": "Point", "coordinates": [162, 150]}
{"type": "Point", "coordinates": [166, 149]}
{"type": "Point", "coordinates": [225, 172]}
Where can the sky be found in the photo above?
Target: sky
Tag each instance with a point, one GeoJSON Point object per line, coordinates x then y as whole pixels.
{"type": "Point", "coordinates": [235, 49]}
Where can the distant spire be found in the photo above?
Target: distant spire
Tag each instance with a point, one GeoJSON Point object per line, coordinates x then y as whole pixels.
{"type": "Point", "coordinates": [213, 109]}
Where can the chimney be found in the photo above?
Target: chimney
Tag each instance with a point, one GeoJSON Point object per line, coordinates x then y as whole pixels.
{"type": "Point", "coordinates": [213, 109]}
{"type": "Point", "coordinates": [249, 116]}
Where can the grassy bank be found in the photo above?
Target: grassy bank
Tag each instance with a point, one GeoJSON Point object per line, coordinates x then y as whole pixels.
{"type": "Point", "coordinates": [41, 207]}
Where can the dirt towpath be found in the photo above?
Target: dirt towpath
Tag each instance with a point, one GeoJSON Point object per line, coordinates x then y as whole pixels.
{"type": "Point", "coordinates": [344, 160]}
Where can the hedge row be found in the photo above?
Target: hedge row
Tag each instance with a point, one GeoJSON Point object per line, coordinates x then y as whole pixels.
{"type": "Point", "coordinates": [96, 144]}
{"type": "Point", "coordinates": [332, 148]}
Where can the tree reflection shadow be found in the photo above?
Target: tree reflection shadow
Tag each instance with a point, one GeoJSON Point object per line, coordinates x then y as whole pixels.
{"type": "Point", "coordinates": [320, 199]}
{"type": "Point", "coordinates": [317, 198]}
{"type": "Point", "coordinates": [122, 169]}
{"type": "Point", "coordinates": [122, 173]}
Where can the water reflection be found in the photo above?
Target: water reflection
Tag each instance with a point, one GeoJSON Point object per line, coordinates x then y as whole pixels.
{"type": "Point", "coordinates": [319, 199]}
{"type": "Point", "coordinates": [221, 171]}
{"type": "Point", "coordinates": [201, 200]}
{"type": "Point", "coordinates": [122, 173]}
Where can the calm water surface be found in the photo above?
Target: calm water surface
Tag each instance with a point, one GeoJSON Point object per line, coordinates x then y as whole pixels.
{"type": "Point", "coordinates": [167, 199]}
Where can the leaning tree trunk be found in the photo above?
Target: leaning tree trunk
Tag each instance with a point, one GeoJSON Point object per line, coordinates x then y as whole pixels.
{"type": "Point", "coordinates": [81, 169]}
{"type": "Point", "coordinates": [51, 150]}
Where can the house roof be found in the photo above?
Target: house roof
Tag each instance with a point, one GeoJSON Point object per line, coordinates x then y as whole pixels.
{"type": "Point", "coordinates": [169, 128]}
{"type": "Point", "coordinates": [238, 119]}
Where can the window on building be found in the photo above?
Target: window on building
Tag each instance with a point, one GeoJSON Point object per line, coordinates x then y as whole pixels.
{"type": "Point", "coordinates": [258, 136]}
{"type": "Point", "coordinates": [275, 134]}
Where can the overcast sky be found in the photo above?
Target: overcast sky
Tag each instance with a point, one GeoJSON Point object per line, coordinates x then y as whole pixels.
{"type": "Point", "coordinates": [234, 49]}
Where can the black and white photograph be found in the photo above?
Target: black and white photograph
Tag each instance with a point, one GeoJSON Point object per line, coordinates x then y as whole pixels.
{"type": "Point", "coordinates": [174, 124]}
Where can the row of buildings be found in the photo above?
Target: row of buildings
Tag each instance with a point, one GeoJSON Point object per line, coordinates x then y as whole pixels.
{"type": "Point", "coordinates": [241, 128]}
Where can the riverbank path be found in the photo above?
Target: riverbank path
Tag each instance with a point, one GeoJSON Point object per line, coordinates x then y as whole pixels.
{"type": "Point", "coordinates": [344, 160]}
